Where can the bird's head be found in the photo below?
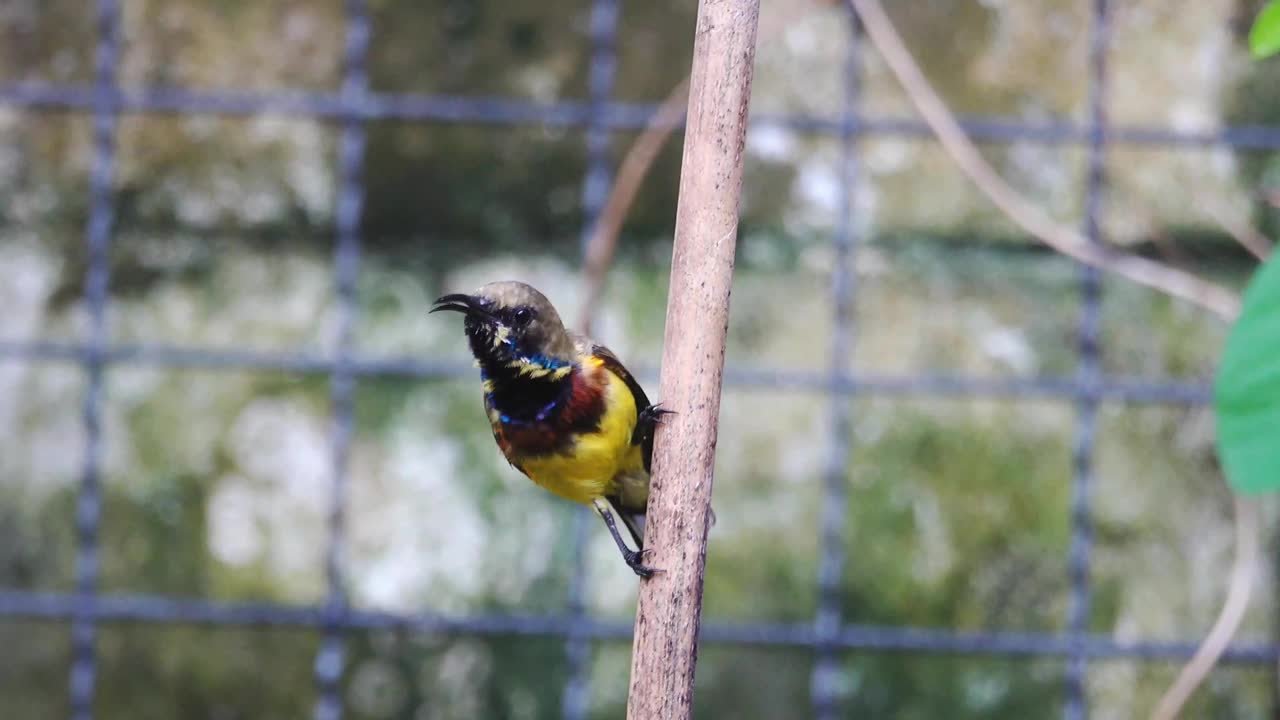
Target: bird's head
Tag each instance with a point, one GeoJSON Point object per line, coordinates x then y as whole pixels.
{"type": "Point", "coordinates": [510, 321]}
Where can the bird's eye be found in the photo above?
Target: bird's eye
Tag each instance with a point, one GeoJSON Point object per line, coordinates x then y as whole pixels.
{"type": "Point", "coordinates": [522, 316]}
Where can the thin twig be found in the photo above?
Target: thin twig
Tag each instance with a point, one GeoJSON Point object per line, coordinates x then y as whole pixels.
{"type": "Point", "coordinates": [635, 167]}
{"type": "Point", "coordinates": [631, 174]}
{"type": "Point", "coordinates": [1219, 637]}
{"type": "Point", "coordinates": [1071, 243]}
{"type": "Point", "coordinates": [1021, 211]}
{"type": "Point", "coordinates": [1247, 235]}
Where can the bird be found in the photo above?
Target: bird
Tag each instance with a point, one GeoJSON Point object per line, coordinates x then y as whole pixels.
{"type": "Point", "coordinates": [563, 408]}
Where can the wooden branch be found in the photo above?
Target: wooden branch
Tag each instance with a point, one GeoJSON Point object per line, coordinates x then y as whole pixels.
{"type": "Point", "coordinates": [667, 620]}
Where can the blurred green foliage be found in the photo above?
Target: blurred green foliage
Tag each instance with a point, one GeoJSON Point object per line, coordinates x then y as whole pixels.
{"type": "Point", "coordinates": [1255, 102]}
{"type": "Point", "coordinates": [1264, 36]}
{"type": "Point", "coordinates": [1247, 392]}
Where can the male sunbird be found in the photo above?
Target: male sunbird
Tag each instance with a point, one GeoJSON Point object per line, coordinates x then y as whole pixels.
{"type": "Point", "coordinates": [563, 408]}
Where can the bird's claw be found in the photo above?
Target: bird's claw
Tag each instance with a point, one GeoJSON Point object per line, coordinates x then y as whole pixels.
{"type": "Point", "coordinates": [647, 419]}
{"type": "Point", "coordinates": [635, 559]}
{"type": "Point", "coordinates": [653, 413]}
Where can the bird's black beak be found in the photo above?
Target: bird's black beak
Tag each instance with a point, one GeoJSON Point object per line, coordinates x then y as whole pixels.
{"type": "Point", "coordinates": [465, 304]}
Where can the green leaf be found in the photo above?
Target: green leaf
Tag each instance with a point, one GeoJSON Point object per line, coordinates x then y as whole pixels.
{"type": "Point", "coordinates": [1247, 391]}
{"type": "Point", "coordinates": [1264, 37]}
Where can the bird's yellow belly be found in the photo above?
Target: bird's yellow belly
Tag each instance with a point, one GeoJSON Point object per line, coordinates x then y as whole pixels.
{"type": "Point", "coordinates": [586, 471]}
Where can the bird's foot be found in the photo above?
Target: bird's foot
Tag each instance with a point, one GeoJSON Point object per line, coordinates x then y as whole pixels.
{"type": "Point", "coordinates": [647, 419]}
{"type": "Point", "coordinates": [652, 414]}
{"type": "Point", "coordinates": [635, 561]}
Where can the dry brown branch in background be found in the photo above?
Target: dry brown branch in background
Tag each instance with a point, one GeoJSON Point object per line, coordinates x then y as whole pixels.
{"type": "Point", "coordinates": [1247, 235]}
{"type": "Point", "coordinates": [1071, 243]}
{"type": "Point", "coordinates": [1228, 620]}
{"type": "Point", "coordinates": [635, 167]}
{"type": "Point", "coordinates": [1021, 211]}
{"type": "Point", "coordinates": [631, 174]}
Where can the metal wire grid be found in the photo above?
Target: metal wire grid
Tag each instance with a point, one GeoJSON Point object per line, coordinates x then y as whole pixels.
{"type": "Point", "coordinates": [346, 264]}
{"type": "Point", "coordinates": [826, 625]}
{"type": "Point", "coordinates": [1089, 341]}
{"type": "Point", "coordinates": [353, 107]}
{"type": "Point", "coordinates": [576, 699]}
{"type": "Point", "coordinates": [97, 281]}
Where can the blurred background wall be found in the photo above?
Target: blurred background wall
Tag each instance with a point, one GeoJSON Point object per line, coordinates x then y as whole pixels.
{"type": "Point", "coordinates": [216, 483]}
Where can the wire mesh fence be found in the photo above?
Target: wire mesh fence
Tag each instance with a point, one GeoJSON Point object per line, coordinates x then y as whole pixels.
{"type": "Point", "coordinates": [356, 105]}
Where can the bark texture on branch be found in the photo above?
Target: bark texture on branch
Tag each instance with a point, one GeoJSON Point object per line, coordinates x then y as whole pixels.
{"type": "Point", "coordinates": [666, 637]}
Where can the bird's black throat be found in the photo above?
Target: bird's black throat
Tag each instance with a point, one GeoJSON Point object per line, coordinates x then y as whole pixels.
{"type": "Point", "coordinates": [523, 384]}
{"type": "Point", "coordinates": [521, 398]}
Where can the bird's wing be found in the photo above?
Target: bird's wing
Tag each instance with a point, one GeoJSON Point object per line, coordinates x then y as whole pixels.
{"type": "Point", "coordinates": [632, 519]}
{"type": "Point", "coordinates": [615, 366]}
